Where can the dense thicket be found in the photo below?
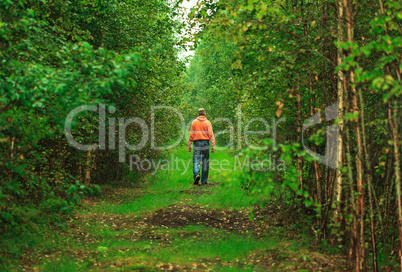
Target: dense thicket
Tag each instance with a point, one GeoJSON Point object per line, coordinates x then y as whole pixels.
{"type": "Point", "coordinates": [56, 56]}
{"type": "Point", "coordinates": [294, 59]}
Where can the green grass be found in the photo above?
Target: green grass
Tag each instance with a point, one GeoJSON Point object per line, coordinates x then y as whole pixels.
{"type": "Point", "coordinates": [64, 265]}
{"type": "Point", "coordinates": [203, 243]}
{"type": "Point", "coordinates": [223, 245]}
{"type": "Point", "coordinates": [147, 202]}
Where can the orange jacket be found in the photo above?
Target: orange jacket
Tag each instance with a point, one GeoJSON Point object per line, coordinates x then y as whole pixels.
{"type": "Point", "coordinates": [201, 129]}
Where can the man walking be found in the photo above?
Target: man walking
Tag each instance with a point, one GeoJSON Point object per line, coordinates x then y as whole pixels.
{"type": "Point", "coordinates": [201, 134]}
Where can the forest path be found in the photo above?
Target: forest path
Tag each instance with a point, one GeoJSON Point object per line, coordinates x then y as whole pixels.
{"type": "Point", "coordinates": [164, 223]}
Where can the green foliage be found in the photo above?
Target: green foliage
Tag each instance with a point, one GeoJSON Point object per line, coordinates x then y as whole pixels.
{"type": "Point", "coordinates": [58, 56]}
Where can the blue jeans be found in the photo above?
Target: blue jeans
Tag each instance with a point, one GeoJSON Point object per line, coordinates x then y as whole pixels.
{"type": "Point", "coordinates": [201, 150]}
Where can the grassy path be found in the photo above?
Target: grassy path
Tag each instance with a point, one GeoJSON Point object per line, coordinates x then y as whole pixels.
{"type": "Point", "coordinates": [165, 223]}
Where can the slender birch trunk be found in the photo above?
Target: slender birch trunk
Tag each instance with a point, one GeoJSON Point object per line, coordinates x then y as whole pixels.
{"type": "Point", "coordinates": [338, 179]}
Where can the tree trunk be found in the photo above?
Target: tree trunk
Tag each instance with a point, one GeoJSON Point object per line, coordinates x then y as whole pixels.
{"type": "Point", "coordinates": [312, 111]}
{"type": "Point", "coordinates": [88, 168]}
{"type": "Point", "coordinates": [360, 246]}
{"type": "Point", "coordinates": [299, 128]}
{"type": "Point", "coordinates": [353, 227]}
{"type": "Point", "coordinates": [369, 181]}
{"type": "Point", "coordinates": [12, 147]}
{"type": "Point", "coordinates": [338, 179]}
{"type": "Point", "coordinates": [392, 120]}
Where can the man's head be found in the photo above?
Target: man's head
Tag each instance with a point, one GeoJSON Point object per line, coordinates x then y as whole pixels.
{"type": "Point", "coordinates": [201, 112]}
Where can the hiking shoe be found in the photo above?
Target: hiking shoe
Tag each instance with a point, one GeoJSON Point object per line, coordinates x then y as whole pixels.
{"type": "Point", "coordinates": [196, 179]}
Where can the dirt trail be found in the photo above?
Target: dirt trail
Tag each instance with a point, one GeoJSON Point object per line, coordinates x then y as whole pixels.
{"type": "Point", "coordinates": [178, 216]}
{"type": "Point", "coordinates": [176, 237]}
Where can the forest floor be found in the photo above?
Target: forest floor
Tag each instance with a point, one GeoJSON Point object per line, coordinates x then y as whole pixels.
{"type": "Point", "coordinates": [165, 223]}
